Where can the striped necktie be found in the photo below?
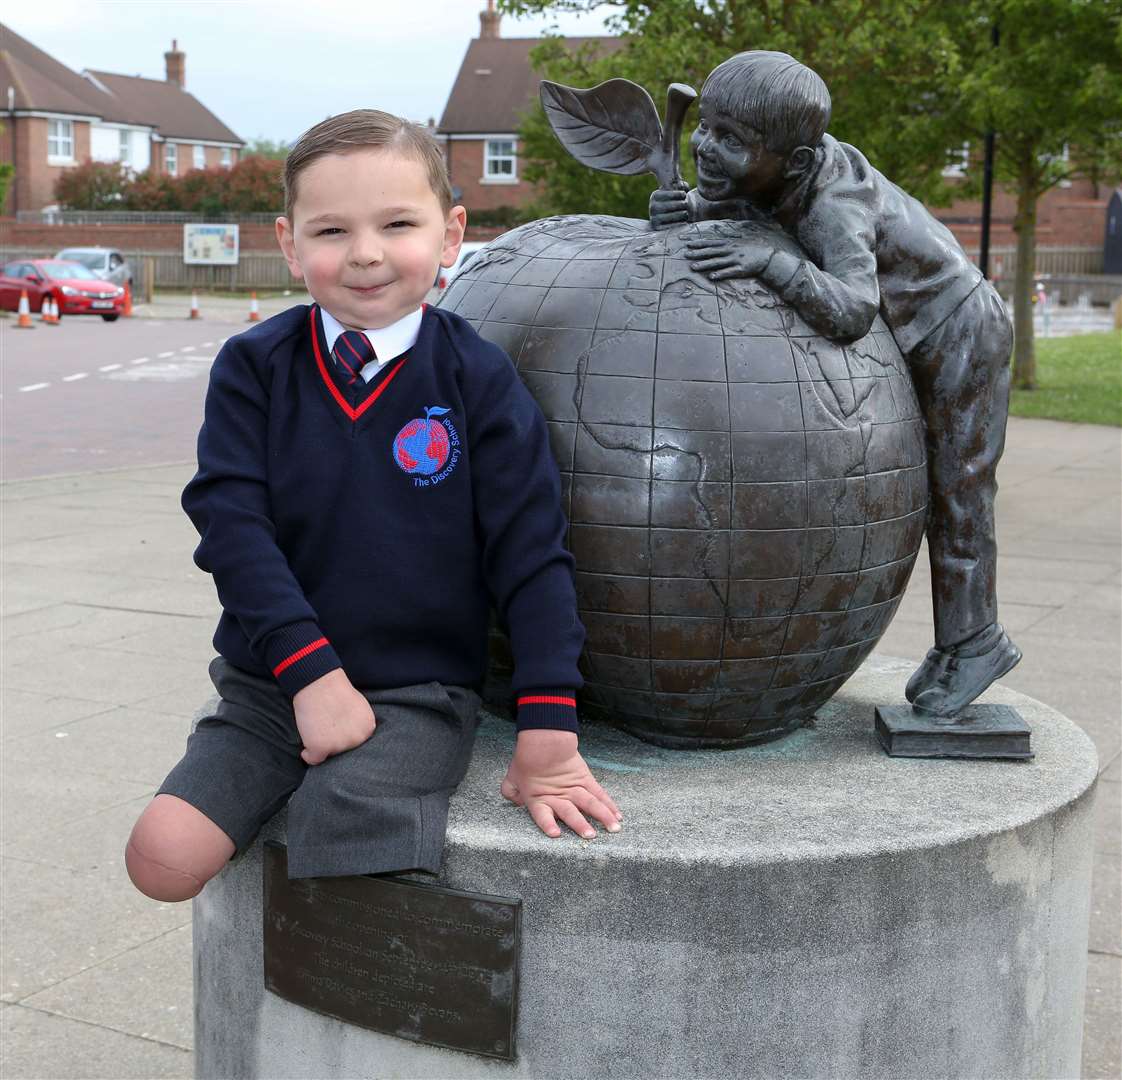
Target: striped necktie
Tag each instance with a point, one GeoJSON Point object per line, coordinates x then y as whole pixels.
{"type": "Point", "coordinates": [353, 351]}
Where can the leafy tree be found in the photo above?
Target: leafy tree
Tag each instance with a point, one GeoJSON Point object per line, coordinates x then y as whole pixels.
{"type": "Point", "coordinates": [265, 148]}
{"type": "Point", "coordinates": [93, 185]}
{"type": "Point", "coordinates": [909, 79]}
{"type": "Point", "coordinates": [152, 190]}
{"type": "Point", "coordinates": [7, 174]}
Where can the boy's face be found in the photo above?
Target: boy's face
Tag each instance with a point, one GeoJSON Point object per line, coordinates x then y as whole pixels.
{"type": "Point", "coordinates": [368, 235]}
{"type": "Point", "coordinates": [732, 159]}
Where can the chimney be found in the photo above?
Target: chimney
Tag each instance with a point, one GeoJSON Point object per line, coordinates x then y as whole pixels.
{"type": "Point", "coordinates": [489, 21]}
{"type": "Point", "coordinates": [176, 66]}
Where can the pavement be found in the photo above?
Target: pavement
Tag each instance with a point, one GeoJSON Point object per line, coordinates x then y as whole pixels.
{"type": "Point", "coordinates": [106, 639]}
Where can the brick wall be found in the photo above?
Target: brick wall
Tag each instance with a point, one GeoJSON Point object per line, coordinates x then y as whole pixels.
{"type": "Point", "coordinates": [465, 167]}
{"type": "Point", "coordinates": [34, 184]}
{"type": "Point", "coordinates": [15, 234]}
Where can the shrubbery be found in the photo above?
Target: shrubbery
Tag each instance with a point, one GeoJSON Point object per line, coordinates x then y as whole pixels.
{"type": "Point", "coordinates": [253, 185]}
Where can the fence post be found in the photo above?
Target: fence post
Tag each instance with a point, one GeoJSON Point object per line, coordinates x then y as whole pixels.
{"type": "Point", "coordinates": [149, 278]}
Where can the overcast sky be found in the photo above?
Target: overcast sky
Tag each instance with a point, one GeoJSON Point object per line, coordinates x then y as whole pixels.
{"type": "Point", "coordinates": [274, 67]}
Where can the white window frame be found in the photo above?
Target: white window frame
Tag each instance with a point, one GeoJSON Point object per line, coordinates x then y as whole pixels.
{"type": "Point", "coordinates": [60, 142]}
{"type": "Point", "coordinates": [171, 159]}
{"type": "Point", "coordinates": [492, 157]}
{"type": "Point", "coordinates": [198, 156]}
{"type": "Point", "coordinates": [124, 146]}
{"type": "Point", "coordinates": [227, 157]}
{"type": "Point", "coordinates": [958, 161]}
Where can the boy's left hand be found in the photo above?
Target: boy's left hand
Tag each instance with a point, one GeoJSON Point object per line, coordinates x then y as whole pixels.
{"type": "Point", "coordinates": [719, 259]}
{"type": "Point", "coordinates": [549, 777]}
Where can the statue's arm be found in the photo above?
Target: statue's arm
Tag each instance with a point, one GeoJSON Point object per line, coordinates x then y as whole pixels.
{"type": "Point", "coordinates": [837, 293]}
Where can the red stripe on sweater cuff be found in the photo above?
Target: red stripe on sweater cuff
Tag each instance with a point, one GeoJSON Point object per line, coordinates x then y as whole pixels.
{"type": "Point", "coordinates": [299, 655]}
{"type": "Point", "coordinates": [571, 702]}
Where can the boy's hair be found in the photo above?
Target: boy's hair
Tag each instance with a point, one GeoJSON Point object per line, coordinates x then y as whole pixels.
{"type": "Point", "coordinates": [363, 129]}
{"type": "Point", "coordinates": [772, 93]}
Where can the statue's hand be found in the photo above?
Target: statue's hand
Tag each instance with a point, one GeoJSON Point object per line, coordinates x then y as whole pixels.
{"type": "Point", "coordinates": [668, 207]}
{"type": "Point", "coordinates": [719, 259]}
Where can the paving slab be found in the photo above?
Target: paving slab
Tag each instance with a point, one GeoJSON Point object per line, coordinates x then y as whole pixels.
{"type": "Point", "coordinates": [1102, 1051]}
{"type": "Point", "coordinates": [108, 993]}
{"type": "Point", "coordinates": [41, 1046]}
{"type": "Point", "coordinates": [26, 711]}
{"type": "Point", "coordinates": [1106, 905]}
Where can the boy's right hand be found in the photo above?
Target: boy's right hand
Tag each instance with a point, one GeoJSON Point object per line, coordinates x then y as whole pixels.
{"type": "Point", "coordinates": [668, 207]}
{"type": "Point", "coordinates": [331, 716]}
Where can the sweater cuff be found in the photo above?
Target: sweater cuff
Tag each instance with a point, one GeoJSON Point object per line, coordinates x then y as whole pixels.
{"type": "Point", "coordinates": [298, 654]}
{"type": "Point", "coordinates": [552, 709]}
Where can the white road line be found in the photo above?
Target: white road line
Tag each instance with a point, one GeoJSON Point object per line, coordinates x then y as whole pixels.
{"type": "Point", "coordinates": [188, 348]}
{"type": "Point", "coordinates": [75, 377]}
{"type": "Point", "coordinates": [109, 367]}
{"type": "Point", "coordinates": [34, 386]}
{"type": "Point", "coordinates": [141, 360]}
{"type": "Point", "coordinates": [207, 345]}
{"type": "Point", "coordinates": [165, 355]}
{"type": "Point", "coordinates": [222, 341]}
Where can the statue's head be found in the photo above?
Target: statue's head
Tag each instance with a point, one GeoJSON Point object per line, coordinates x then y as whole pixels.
{"type": "Point", "coordinates": [761, 116]}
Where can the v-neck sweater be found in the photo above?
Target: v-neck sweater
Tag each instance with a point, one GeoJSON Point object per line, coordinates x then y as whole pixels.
{"type": "Point", "coordinates": [371, 527]}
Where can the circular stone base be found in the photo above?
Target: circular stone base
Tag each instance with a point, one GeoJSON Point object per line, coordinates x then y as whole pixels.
{"type": "Point", "coordinates": [808, 907]}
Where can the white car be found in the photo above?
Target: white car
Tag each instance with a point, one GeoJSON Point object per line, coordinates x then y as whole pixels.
{"type": "Point", "coordinates": [468, 250]}
{"type": "Point", "coordinates": [109, 265]}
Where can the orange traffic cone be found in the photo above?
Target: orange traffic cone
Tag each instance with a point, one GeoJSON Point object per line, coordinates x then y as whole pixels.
{"type": "Point", "coordinates": [24, 322]}
{"type": "Point", "coordinates": [56, 317]}
{"type": "Point", "coordinates": [194, 306]}
{"type": "Point", "coordinates": [254, 314]}
{"type": "Point", "coordinates": [128, 301]}
{"type": "Point", "coordinates": [45, 312]}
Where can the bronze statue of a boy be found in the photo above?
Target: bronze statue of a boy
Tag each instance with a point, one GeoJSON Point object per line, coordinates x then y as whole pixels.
{"type": "Point", "coordinates": [762, 152]}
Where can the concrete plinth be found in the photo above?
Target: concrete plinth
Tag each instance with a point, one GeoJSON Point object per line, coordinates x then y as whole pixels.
{"type": "Point", "coordinates": [810, 907]}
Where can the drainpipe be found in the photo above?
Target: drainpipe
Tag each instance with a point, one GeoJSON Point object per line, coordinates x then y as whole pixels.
{"type": "Point", "coordinates": [12, 125]}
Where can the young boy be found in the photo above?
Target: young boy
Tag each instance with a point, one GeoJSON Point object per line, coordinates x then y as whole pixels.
{"type": "Point", "coordinates": [761, 149]}
{"type": "Point", "coordinates": [372, 476]}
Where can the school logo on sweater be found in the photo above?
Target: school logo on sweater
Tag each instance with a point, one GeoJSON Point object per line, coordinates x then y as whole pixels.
{"type": "Point", "coordinates": [428, 449]}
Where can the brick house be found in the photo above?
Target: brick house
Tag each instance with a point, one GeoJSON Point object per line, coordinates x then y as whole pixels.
{"type": "Point", "coordinates": [496, 84]}
{"type": "Point", "coordinates": [479, 127]}
{"type": "Point", "coordinates": [57, 118]}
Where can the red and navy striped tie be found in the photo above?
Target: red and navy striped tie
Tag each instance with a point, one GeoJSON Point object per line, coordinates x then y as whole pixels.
{"type": "Point", "coordinates": [353, 351]}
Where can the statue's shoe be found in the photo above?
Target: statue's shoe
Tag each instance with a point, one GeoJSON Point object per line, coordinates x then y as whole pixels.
{"type": "Point", "coordinates": [926, 674]}
{"type": "Point", "coordinates": [966, 672]}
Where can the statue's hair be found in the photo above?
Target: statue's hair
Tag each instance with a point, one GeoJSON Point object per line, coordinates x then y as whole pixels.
{"type": "Point", "coordinates": [363, 129]}
{"type": "Point", "coordinates": [772, 93]}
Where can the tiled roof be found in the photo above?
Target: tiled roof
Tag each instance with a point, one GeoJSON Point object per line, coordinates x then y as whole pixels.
{"type": "Point", "coordinates": [173, 112]}
{"type": "Point", "coordinates": [42, 84]}
{"type": "Point", "coordinates": [497, 83]}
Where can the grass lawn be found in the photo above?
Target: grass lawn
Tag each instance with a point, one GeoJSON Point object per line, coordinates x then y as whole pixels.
{"type": "Point", "coordinates": [1079, 379]}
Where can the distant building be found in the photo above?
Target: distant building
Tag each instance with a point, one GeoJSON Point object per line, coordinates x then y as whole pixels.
{"type": "Point", "coordinates": [56, 118]}
{"type": "Point", "coordinates": [479, 128]}
{"type": "Point", "coordinates": [496, 84]}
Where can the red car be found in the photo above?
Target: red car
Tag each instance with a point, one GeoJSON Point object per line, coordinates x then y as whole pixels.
{"type": "Point", "coordinates": [76, 290]}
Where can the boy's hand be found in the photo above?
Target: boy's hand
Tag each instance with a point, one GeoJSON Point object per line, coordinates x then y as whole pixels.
{"type": "Point", "coordinates": [719, 259]}
{"type": "Point", "coordinates": [331, 716]}
{"type": "Point", "coordinates": [551, 780]}
{"type": "Point", "coordinates": [668, 207]}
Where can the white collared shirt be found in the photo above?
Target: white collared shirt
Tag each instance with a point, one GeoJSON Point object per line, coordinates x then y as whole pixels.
{"type": "Point", "coordinates": [389, 342]}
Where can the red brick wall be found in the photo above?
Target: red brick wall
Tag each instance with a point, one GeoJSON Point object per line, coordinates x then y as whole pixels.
{"type": "Point", "coordinates": [34, 184]}
{"type": "Point", "coordinates": [465, 167]}
{"type": "Point", "coordinates": [127, 237]}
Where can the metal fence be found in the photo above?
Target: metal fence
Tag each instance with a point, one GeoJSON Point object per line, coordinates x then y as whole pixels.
{"type": "Point", "coordinates": [1058, 261]}
{"type": "Point", "coordinates": [141, 217]}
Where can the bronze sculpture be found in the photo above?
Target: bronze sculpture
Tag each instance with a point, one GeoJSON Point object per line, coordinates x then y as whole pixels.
{"type": "Point", "coordinates": [730, 389]}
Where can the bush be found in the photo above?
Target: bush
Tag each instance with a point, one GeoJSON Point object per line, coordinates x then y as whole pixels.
{"type": "Point", "coordinates": [93, 185]}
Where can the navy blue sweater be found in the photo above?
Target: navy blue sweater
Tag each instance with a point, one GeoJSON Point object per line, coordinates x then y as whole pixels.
{"type": "Point", "coordinates": [371, 527]}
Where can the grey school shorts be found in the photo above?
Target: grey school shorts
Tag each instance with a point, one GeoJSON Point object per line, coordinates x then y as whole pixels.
{"type": "Point", "coordinates": [378, 808]}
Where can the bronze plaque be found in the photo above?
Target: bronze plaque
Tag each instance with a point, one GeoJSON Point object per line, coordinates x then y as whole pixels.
{"type": "Point", "coordinates": [421, 962]}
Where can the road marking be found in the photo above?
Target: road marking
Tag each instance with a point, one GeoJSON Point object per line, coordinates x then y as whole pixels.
{"type": "Point", "coordinates": [141, 360]}
{"type": "Point", "coordinates": [222, 340]}
{"type": "Point", "coordinates": [75, 377]}
{"type": "Point", "coordinates": [207, 345]}
{"type": "Point", "coordinates": [165, 355]}
{"type": "Point", "coordinates": [34, 386]}
{"type": "Point", "coordinates": [109, 367]}
{"type": "Point", "coordinates": [188, 348]}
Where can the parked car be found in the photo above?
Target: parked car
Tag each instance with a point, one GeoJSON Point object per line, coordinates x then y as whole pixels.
{"type": "Point", "coordinates": [109, 265]}
{"type": "Point", "coordinates": [76, 290]}
{"type": "Point", "coordinates": [445, 274]}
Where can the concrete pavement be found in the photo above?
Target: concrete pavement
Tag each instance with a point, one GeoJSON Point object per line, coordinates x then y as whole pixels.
{"type": "Point", "coordinates": [106, 637]}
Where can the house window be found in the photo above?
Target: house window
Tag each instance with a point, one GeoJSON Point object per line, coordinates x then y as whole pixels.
{"type": "Point", "coordinates": [123, 147]}
{"type": "Point", "coordinates": [60, 140]}
{"type": "Point", "coordinates": [226, 157]}
{"type": "Point", "coordinates": [171, 159]}
{"type": "Point", "coordinates": [199, 160]}
{"type": "Point", "coordinates": [958, 161]}
{"type": "Point", "coordinates": [499, 160]}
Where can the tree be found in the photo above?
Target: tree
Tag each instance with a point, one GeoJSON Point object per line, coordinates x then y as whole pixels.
{"type": "Point", "coordinates": [93, 185]}
{"type": "Point", "coordinates": [266, 148]}
{"type": "Point", "coordinates": [909, 79]}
